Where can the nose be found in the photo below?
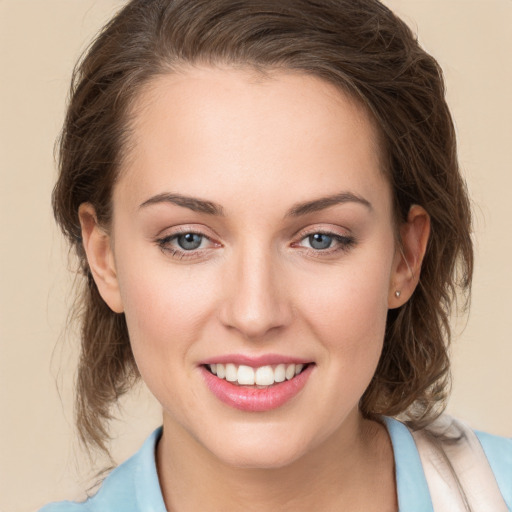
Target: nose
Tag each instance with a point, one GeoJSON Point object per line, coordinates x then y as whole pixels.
{"type": "Point", "coordinates": [256, 299]}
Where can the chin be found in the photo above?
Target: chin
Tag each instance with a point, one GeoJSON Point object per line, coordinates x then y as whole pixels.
{"type": "Point", "coordinates": [263, 449]}
{"type": "Point", "coordinates": [261, 458]}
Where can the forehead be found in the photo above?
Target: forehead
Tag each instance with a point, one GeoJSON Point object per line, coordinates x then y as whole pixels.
{"type": "Point", "coordinates": [224, 129]}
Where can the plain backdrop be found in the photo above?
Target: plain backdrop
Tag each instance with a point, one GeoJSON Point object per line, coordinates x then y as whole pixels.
{"type": "Point", "coordinates": [40, 41]}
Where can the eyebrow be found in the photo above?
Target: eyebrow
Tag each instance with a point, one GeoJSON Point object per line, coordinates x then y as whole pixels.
{"type": "Point", "coordinates": [322, 203]}
{"type": "Point", "coordinates": [297, 210]}
{"type": "Point", "coordinates": [192, 203]}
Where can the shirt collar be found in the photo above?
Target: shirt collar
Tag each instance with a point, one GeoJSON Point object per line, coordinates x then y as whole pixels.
{"type": "Point", "coordinates": [148, 491]}
{"type": "Point", "coordinates": [411, 484]}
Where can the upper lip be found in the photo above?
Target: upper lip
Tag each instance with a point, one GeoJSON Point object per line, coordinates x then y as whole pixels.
{"type": "Point", "coordinates": [255, 361]}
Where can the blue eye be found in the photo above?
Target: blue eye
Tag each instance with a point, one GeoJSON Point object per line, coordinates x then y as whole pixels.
{"type": "Point", "coordinates": [185, 244]}
{"type": "Point", "coordinates": [326, 243]}
{"type": "Point", "coordinates": [320, 241]}
{"type": "Point", "coordinates": [189, 241]}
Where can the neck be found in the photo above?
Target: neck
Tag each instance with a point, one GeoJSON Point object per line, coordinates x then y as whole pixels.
{"type": "Point", "coordinates": [336, 475]}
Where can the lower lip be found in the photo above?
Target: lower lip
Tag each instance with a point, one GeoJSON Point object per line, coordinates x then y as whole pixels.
{"type": "Point", "coordinates": [253, 399]}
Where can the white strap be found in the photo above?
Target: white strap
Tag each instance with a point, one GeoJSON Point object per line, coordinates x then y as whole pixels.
{"type": "Point", "coordinates": [458, 473]}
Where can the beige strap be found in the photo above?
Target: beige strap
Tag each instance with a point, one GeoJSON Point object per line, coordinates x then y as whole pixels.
{"type": "Point", "coordinates": [458, 473]}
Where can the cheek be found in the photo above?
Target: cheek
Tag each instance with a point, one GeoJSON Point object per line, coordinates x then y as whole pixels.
{"type": "Point", "coordinates": [165, 309]}
{"type": "Point", "coordinates": [352, 331]}
{"type": "Point", "coordinates": [165, 316]}
{"type": "Point", "coordinates": [347, 310]}
{"type": "Point", "coordinates": [162, 300]}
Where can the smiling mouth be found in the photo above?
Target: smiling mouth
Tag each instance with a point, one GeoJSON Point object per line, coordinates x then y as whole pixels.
{"type": "Point", "coordinates": [261, 377]}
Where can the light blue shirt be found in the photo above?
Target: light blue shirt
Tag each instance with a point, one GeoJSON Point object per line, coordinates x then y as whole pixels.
{"type": "Point", "coordinates": [134, 486]}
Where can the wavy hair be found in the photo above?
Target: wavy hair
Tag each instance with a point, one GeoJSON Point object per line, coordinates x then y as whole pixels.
{"type": "Point", "coordinates": [359, 46]}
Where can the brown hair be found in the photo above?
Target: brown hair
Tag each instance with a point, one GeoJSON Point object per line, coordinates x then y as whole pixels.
{"type": "Point", "coordinates": [358, 45]}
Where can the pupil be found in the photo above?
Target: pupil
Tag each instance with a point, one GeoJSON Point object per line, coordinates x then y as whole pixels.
{"type": "Point", "coordinates": [189, 241]}
{"type": "Point", "coordinates": [320, 241]}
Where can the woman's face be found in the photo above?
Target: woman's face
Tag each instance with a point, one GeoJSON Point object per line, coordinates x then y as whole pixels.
{"type": "Point", "coordinates": [253, 228]}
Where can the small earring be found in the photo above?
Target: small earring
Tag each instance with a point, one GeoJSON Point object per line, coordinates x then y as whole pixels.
{"type": "Point", "coordinates": [397, 294]}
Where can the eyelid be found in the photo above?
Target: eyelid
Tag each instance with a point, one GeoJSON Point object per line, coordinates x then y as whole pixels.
{"type": "Point", "coordinates": [343, 240]}
{"type": "Point", "coordinates": [170, 234]}
{"type": "Point", "coordinates": [327, 229]}
{"type": "Point", "coordinates": [199, 229]}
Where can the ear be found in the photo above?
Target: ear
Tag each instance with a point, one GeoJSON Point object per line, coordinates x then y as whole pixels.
{"type": "Point", "coordinates": [97, 246]}
{"type": "Point", "coordinates": [414, 234]}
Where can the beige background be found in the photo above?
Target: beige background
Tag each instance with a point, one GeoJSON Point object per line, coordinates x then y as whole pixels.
{"type": "Point", "coordinates": [39, 43]}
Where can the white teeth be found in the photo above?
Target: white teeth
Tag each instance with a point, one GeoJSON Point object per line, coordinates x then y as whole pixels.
{"type": "Point", "coordinates": [245, 375]}
{"type": "Point", "coordinates": [221, 371]}
{"type": "Point", "coordinates": [263, 376]}
{"type": "Point", "coordinates": [231, 374]}
{"type": "Point", "coordinates": [280, 373]}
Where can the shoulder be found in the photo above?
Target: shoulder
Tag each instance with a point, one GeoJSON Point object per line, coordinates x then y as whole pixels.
{"type": "Point", "coordinates": [480, 464]}
{"type": "Point", "coordinates": [448, 462]}
{"type": "Point", "coordinates": [498, 451]}
{"type": "Point", "coordinates": [115, 491]}
{"type": "Point", "coordinates": [131, 484]}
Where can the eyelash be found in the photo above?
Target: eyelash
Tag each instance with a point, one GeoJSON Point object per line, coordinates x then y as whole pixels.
{"type": "Point", "coordinates": [341, 243]}
{"type": "Point", "coordinates": [181, 254]}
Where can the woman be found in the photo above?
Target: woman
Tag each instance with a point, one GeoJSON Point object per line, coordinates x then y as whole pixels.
{"type": "Point", "coordinates": [266, 204]}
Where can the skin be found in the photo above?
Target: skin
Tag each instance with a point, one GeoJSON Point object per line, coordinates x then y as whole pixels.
{"type": "Point", "coordinates": [257, 147]}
